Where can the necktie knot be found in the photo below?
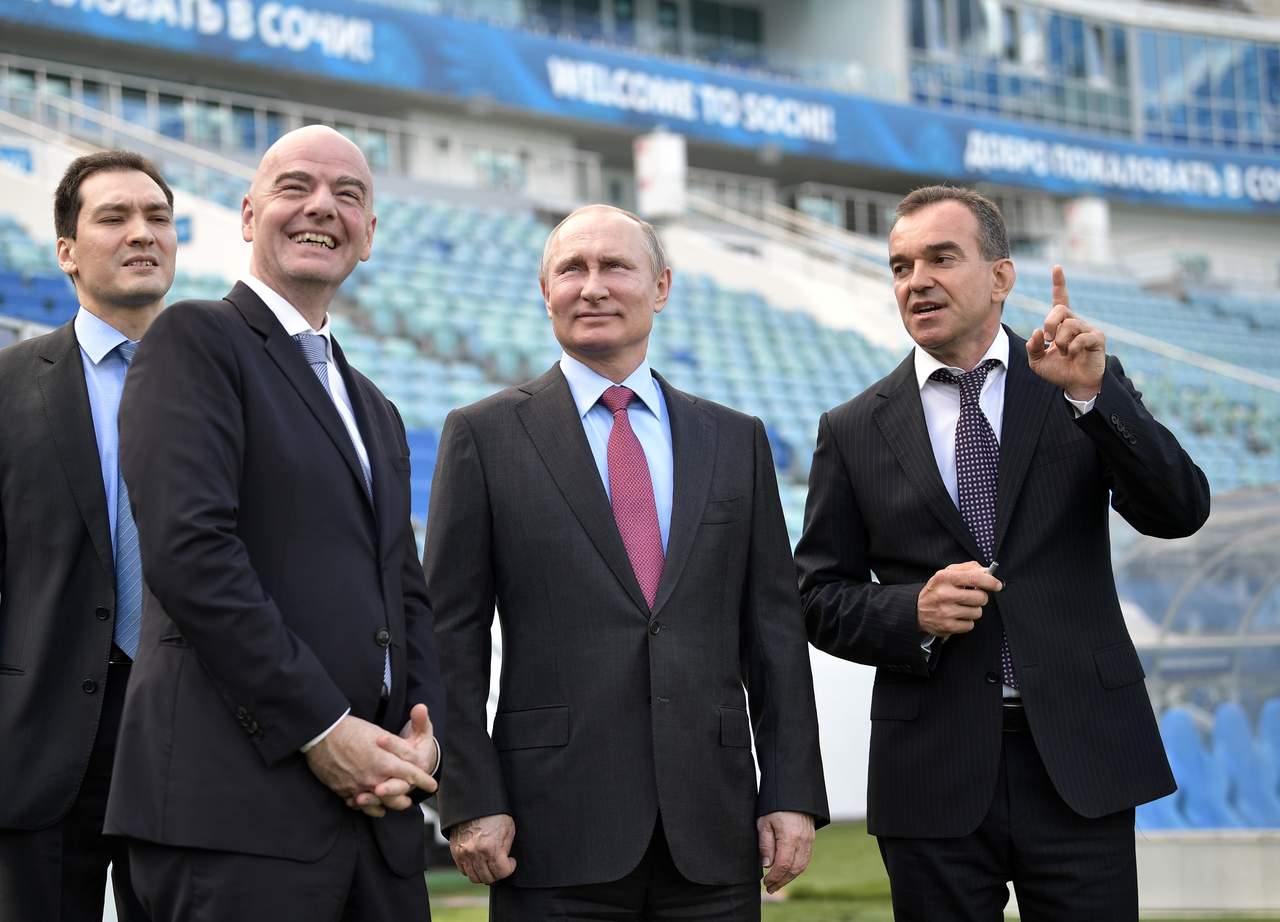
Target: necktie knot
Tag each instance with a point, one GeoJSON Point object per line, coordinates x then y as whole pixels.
{"type": "Point", "coordinates": [313, 347]}
{"type": "Point", "coordinates": [970, 382]}
{"type": "Point", "coordinates": [126, 350]}
{"type": "Point", "coordinates": [617, 398]}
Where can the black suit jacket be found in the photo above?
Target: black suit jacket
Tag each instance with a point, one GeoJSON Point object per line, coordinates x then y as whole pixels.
{"type": "Point", "coordinates": [272, 583]}
{"type": "Point", "coordinates": [57, 579]}
{"type": "Point", "coordinates": [610, 713]}
{"type": "Point", "coordinates": [877, 504]}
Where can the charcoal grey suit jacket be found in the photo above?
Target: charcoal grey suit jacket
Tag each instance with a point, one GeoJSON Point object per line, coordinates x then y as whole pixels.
{"type": "Point", "coordinates": [610, 713]}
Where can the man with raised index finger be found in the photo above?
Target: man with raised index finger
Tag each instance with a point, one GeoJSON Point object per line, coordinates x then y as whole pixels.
{"type": "Point", "coordinates": [1011, 732]}
{"type": "Point", "coordinates": [632, 538]}
{"type": "Point", "coordinates": [286, 635]}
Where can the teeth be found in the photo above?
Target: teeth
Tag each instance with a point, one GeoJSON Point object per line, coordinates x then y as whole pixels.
{"type": "Point", "coordinates": [308, 237]}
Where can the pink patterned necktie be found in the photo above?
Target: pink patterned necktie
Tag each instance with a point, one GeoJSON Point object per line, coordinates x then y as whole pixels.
{"type": "Point", "coordinates": [631, 493]}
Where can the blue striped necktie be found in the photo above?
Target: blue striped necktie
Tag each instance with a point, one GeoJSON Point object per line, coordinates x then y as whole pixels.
{"type": "Point", "coordinates": [316, 353]}
{"type": "Point", "coordinates": [128, 561]}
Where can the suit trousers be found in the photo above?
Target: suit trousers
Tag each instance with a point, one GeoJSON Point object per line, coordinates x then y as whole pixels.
{"type": "Point", "coordinates": [655, 891]}
{"type": "Point", "coordinates": [59, 874]}
{"type": "Point", "coordinates": [1064, 867]}
{"type": "Point", "coordinates": [351, 883]}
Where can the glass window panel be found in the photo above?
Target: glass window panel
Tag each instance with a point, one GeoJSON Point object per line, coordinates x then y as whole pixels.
{"type": "Point", "coordinates": [919, 37]}
{"type": "Point", "coordinates": [1225, 56]}
{"type": "Point", "coordinates": [133, 105]}
{"type": "Point", "coordinates": [1056, 61]}
{"type": "Point", "coordinates": [1197, 67]}
{"type": "Point", "coordinates": [244, 128]}
{"type": "Point", "coordinates": [93, 94]}
{"type": "Point", "coordinates": [1095, 61]}
{"type": "Point", "coordinates": [1250, 73]}
{"type": "Point", "coordinates": [744, 24]}
{"type": "Point", "coordinates": [1271, 75]}
{"type": "Point", "coordinates": [1073, 47]}
{"type": "Point", "coordinates": [1119, 56]}
{"type": "Point", "coordinates": [171, 122]}
{"type": "Point", "coordinates": [1149, 63]}
{"type": "Point", "coordinates": [706, 17]}
{"type": "Point", "coordinates": [1009, 33]}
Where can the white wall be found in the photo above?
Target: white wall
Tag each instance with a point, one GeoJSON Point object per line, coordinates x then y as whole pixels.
{"type": "Point", "coordinates": [867, 37]}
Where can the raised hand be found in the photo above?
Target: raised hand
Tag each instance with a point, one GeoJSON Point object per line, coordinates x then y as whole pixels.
{"type": "Point", "coordinates": [786, 844]}
{"type": "Point", "coordinates": [1066, 351]}
{"type": "Point", "coordinates": [481, 848]}
{"type": "Point", "coordinates": [953, 598]}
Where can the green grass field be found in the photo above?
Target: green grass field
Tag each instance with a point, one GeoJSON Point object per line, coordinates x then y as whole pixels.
{"type": "Point", "coordinates": [845, 882]}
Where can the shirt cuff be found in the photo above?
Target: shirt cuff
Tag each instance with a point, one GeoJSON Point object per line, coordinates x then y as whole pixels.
{"type": "Point", "coordinates": [926, 643]}
{"type": "Point", "coordinates": [311, 744]}
{"type": "Point", "coordinates": [1080, 407]}
{"type": "Point", "coordinates": [435, 771]}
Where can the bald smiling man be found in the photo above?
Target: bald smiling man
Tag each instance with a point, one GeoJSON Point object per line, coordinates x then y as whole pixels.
{"type": "Point", "coordinates": [277, 732]}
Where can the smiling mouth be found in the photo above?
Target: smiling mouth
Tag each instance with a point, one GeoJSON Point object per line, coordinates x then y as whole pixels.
{"type": "Point", "coordinates": [310, 238]}
{"type": "Point", "coordinates": [142, 262]}
{"type": "Point", "coordinates": [921, 310]}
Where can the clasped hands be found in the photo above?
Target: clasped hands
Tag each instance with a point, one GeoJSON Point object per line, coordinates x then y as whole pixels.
{"type": "Point", "coordinates": [373, 770]}
{"type": "Point", "coordinates": [481, 847]}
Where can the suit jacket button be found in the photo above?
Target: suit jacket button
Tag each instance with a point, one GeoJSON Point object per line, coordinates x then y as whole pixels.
{"type": "Point", "coordinates": [242, 713]}
{"type": "Point", "coordinates": [88, 686]}
{"type": "Point", "coordinates": [102, 614]}
{"type": "Point", "coordinates": [383, 637]}
{"type": "Point", "coordinates": [992, 678]}
{"type": "Point", "coordinates": [655, 627]}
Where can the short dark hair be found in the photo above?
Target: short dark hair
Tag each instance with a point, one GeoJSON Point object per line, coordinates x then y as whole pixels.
{"type": "Point", "coordinates": [993, 236]}
{"type": "Point", "coordinates": [66, 200]}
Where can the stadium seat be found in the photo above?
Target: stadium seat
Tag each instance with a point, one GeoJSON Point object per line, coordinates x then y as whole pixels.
{"type": "Point", "coordinates": [1249, 768]}
{"type": "Point", "coordinates": [1202, 781]}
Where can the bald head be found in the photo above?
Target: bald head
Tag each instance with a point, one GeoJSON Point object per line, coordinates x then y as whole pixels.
{"type": "Point", "coordinates": [314, 142]}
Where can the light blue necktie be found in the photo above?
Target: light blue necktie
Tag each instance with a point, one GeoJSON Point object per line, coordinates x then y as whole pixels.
{"type": "Point", "coordinates": [128, 561]}
{"type": "Point", "coordinates": [315, 352]}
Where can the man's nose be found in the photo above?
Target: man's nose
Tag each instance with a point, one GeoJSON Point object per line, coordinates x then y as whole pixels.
{"type": "Point", "coordinates": [920, 279]}
{"type": "Point", "coordinates": [140, 231]}
{"type": "Point", "coordinates": [593, 287]}
{"type": "Point", "coordinates": [321, 203]}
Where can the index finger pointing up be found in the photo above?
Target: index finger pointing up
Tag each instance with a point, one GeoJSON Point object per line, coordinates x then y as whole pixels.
{"type": "Point", "coordinates": [1060, 287]}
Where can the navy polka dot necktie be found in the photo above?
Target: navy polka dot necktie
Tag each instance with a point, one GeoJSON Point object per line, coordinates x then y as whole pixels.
{"type": "Point", "coordinates": [978, 474]}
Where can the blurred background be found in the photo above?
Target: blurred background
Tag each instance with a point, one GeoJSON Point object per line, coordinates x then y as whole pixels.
{"type": "Point", "coordinates": [1135, 143]}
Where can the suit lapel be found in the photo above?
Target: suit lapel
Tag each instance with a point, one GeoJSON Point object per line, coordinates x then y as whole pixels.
{"type": "Point", "coordinates": [900, 416]}
{"type": "Point", "coordinates": [66, 405]}
{"type": "Point", "coordinates": [288, 357]}
{"type": "Point", "coordinates": [373, 437]}
{"type": "Point", "coordinates": [693, 447]}
{"type": "Point", "coordinates": [551, 418]}
{"type": "Point", "coordinates": [1027, 398]}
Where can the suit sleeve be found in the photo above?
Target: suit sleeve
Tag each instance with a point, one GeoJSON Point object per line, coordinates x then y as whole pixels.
{"type": "Point", "coordinates": [423, 665]}
{"type": "Point", "coordinates": [775, 659]}
{"type": "Point", "coordinates": [1155, 485]}
{"type": "Point", "coordinates": [181, 438]}
{"type": "Point", "coordinates": [845, 612]}
{"type": "Point", "coordinates": [460, 584]}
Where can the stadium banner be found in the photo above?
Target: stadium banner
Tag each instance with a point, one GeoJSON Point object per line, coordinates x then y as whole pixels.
{"type": "Point", "coordinates": [386, 45]}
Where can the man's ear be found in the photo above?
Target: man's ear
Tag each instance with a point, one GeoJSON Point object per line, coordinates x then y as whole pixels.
{"type": "Point", "coordinates": [246, 219]}
{"type": "Point", "coordinates": [1003, 275]}
{"type": "Point", "coordinates": [66, 250]}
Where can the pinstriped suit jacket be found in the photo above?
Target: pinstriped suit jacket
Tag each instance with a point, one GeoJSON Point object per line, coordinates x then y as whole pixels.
{"type": "Point", "coordinates": [877, 504]}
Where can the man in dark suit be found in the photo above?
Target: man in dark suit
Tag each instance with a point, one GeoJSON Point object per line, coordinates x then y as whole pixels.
{"type": "Point", "coordinates": [287, 634]}
{"type": "Point", "coordinates": [69, 569]}
{"type": "Point", "coordinates": [632, 537]}
{"type": "Point", "coordinates": [1011, 733]}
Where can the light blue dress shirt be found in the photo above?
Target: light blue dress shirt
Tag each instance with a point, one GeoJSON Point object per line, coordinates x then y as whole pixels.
{"type": "Point", "coordinates": [649, 420]}
{"type": "Point", "coordinates": [104, 372]}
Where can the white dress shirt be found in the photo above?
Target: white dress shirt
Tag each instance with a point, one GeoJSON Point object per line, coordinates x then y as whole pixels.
{"type": "Point", "coordinates": [941, 403]}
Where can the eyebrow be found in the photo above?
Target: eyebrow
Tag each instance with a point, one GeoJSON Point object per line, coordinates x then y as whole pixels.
{"type": "Point", "coordinates": [303, 176]}
{"type": "Point", "coordinates": [152, 206]}
{"type": "Point", "coordinates": [941, 246]}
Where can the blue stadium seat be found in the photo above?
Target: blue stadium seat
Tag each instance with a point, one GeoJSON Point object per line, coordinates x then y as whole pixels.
{"type": "Point", "coordinates": [1202, 781]}
{"type": "Point", "coordinates": [1249, 768]}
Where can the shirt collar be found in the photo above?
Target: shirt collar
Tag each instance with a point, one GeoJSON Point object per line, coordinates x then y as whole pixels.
{"type": "Point", "coordinates": [587, 385]}
{"type": "Point", "coordinates": [927, 364]}
{"type": "Point", "coordinates": [292, 321]}
{"type": "Point", "coordinates": [96, 337]}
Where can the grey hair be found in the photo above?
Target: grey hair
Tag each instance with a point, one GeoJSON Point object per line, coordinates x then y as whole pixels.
{"type": "Point", "coordinates": [652, 244]}
{"type": "Point", "coordinates": [993, 237]}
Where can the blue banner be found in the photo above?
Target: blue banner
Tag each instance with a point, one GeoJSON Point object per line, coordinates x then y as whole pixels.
{"type": "Point", "coordinates": [381, 45]}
